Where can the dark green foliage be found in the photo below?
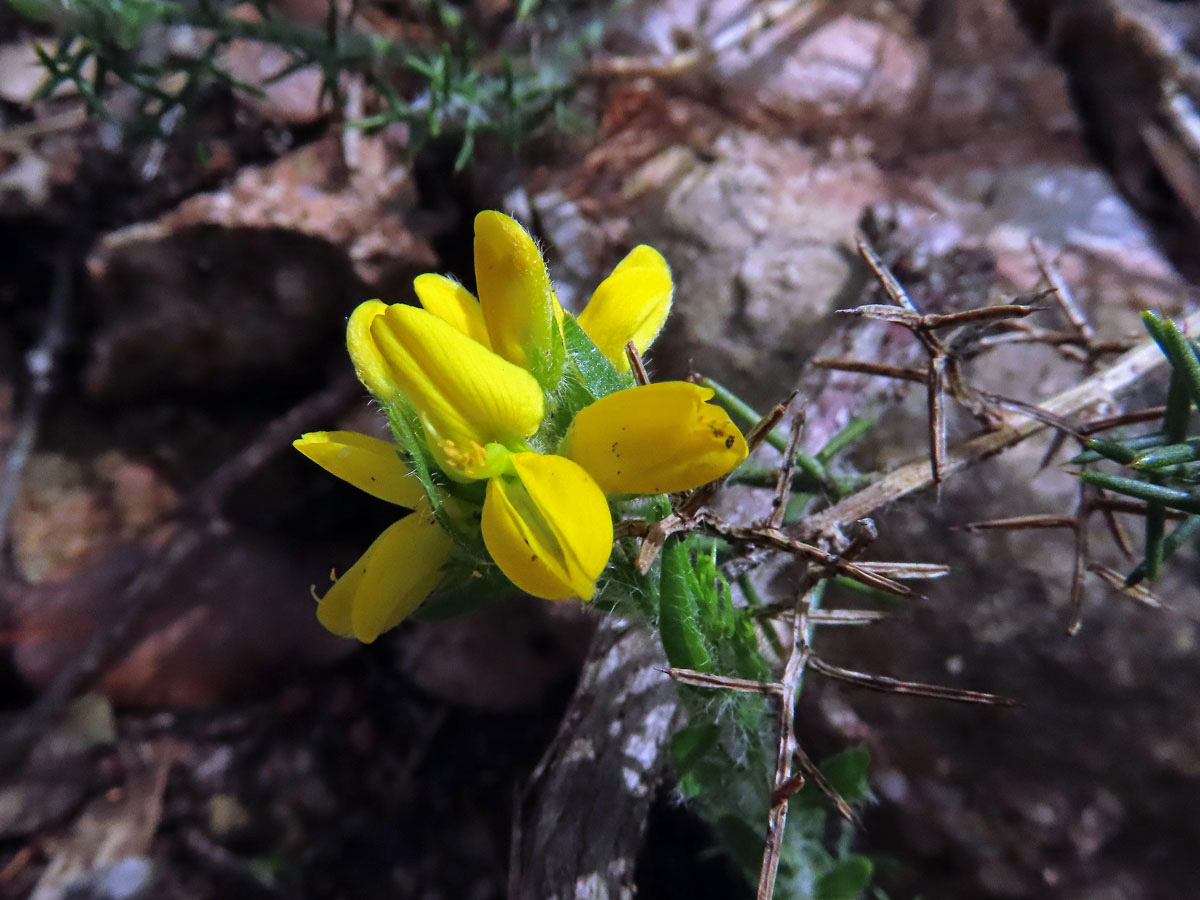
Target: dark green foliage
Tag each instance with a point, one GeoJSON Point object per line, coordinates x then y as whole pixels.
{"type": "Point", "coordinates": [458, 86]}
{"type": "Point", "coordinates": [593, 371]}
{"type": "Point", "coordinates": [1161, 466]}
{"type": "Point", "coordinates": [587, 375]}
{"type": "Point", "coordinates": [846, 772]}
{"type": "Point", "coordinates": [847, 879]}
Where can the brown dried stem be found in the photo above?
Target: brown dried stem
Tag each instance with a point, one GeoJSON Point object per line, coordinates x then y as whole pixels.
{"type": "Point", "coordinates": [635, 363]}
{"type": "Point", "coordinates": [783, 484]}
{"type": "Point", "coordinates": [1015, 428]}
{"type": "Point", "coordinates": [798, 658]}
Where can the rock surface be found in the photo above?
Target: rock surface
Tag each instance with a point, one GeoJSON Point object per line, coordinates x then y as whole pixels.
{"type": "Point", "coordinates": [1075, 792]}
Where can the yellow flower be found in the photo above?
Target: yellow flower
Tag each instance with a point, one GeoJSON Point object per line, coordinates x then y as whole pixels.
{"type": "Point", "coordinates": [631, 304]}
{"type": "Point", "coordinates": [368, 362]}
{"type": "Point", "coordinates": [454, 304]}
{"type": "Point", "coordinates": [548, 527]}
{"type": "Point", "coordinates": [654, 439]}
{"type": "Point", "coordinates": [403, 565]}
{"type": "Point", "coordinates": [477, 372]}
{"type": "Point", "coordinates": [471, 402]}
{"type": "Point", "coordinates": [516, 299]}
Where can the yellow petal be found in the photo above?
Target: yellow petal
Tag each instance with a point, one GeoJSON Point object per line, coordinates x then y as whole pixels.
{"type": "Point", "coordinates": [467, 396]}
{"type": "Point", "coordinates": [398, 571]}
{"type": "Point", "coordinates": [654, 439]}
{"type": "Point", "coordinates": [516, 297]}
{"type": "Point", "coordinates": [453, 303]}
{"type": "Point", "coordinates": [366, 462]}
{"type": "Point", "coordinates": [548, 528]}
{"type": "Point", "coordinates": [368, 362]}
{"type": "Point", "coordinates": [631, 304]}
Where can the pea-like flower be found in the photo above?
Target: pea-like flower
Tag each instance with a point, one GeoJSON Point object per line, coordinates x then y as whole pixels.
{"type": "Point", "coordinates": [654, 439]}
{"type": "Point", "coordinates": [631, 304]}
{"type": "Point", "coordinates": [472, 403]}
{"type": "Point", "coordinates": [483, 377]}
{"type": "Point", "coordinates": [548, 527]}
{"type": "Point", "coordinates": [516, 299]}
{"type": "Point", "coordinates": [404, 564]}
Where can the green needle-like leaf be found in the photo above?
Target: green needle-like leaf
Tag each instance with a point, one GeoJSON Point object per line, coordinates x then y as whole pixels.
{"type": "Point", "coordinates": [1117, 451]}
{"type": "Point", "coordinates": [1168, 455]}
{"type": "Point", "coordinates": [1142, 490]}
{"type": "Point", "coordinates": [1178, 350]}
{"type": "Point", "coordinates": [849, 435]}
{"type": "Point", "coordinates": [1183, 533]}
{"type": "Point", "coordinates": [1139, 442]}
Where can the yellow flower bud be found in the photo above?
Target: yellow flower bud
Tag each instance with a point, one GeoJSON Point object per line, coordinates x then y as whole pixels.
{"type": "Point", "coordinates": [466, 396]}
{"type": "Point", "coordinates": [453, 303]}
{"type": "Point", "coordinates": [631, 304]}
{"type": "Point", "coordinates": [372, 371]}
{"type": "Point", "coordinates": [516, 297]}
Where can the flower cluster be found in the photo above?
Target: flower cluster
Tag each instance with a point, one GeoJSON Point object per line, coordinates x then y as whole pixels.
{"type": "Point", "coordinates": [510, 393]}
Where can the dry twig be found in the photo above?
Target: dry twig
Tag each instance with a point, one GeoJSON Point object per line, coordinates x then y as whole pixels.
{"type": "Point", "coordinates": [915, 476]}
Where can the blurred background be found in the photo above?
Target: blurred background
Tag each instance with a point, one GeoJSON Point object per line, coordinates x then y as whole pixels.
{"type": "Point", "coordinates": [194, 196]}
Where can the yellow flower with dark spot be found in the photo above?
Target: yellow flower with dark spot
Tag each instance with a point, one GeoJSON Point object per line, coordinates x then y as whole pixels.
{"type": "Point", "coordinates": [654, 439]}
{"type": "Point", "coordinates": [404, 564]}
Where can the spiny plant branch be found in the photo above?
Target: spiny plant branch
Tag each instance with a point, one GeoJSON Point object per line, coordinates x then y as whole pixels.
{"type": "Point", "coordinates": [1015, 428]}
{"type": "Point", "coordinates": [829, 543]}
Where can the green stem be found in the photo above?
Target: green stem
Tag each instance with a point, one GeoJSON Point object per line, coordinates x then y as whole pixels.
{"type": "Point", "coordinates": [849, 435]}
{"type": "Point", "coordinates": [1184, 532]}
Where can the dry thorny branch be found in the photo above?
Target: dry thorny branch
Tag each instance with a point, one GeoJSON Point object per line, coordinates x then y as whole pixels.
{"type": "Point", "coordinates": [838, 535]}
{"type": "Point", "coordinates": [968, 337]}
{"type": "Point", "coordinates": [800, 656]}
{"type": "Point", "coordinates": [944, 376]}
